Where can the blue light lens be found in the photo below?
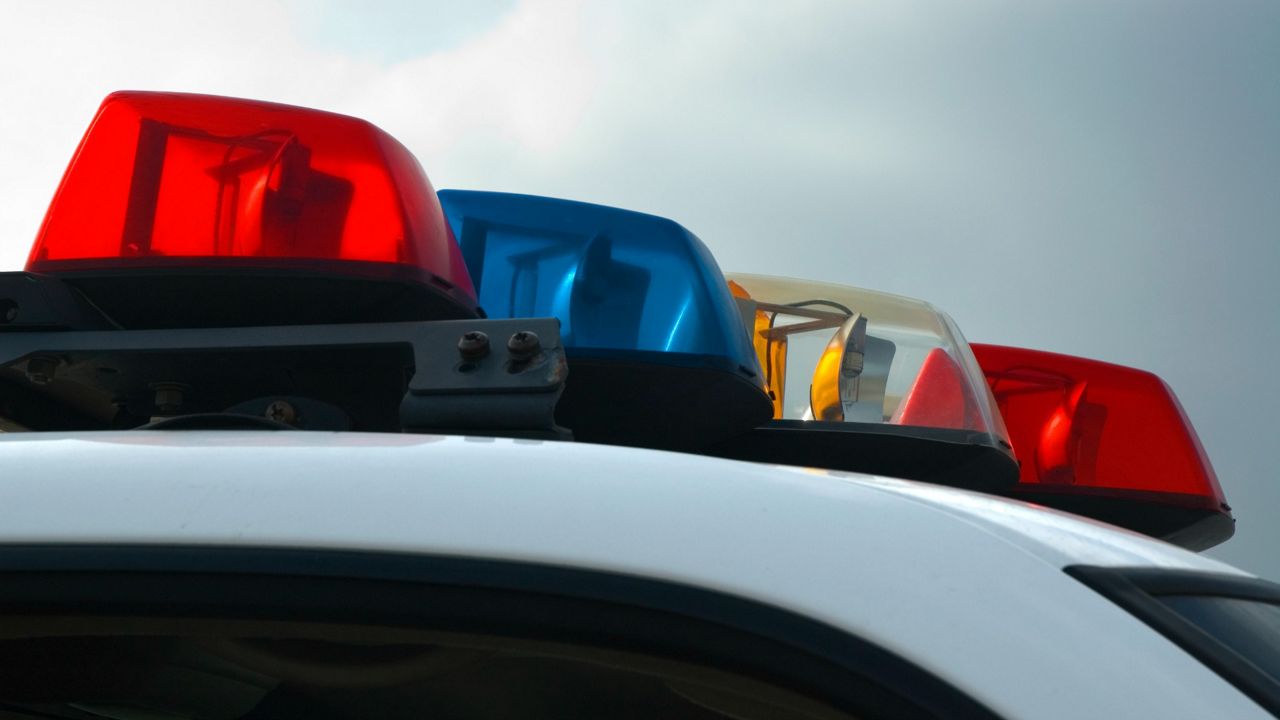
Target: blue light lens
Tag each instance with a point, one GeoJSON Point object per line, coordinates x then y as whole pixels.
{"type": "Point", "coordinates": [624, 285]}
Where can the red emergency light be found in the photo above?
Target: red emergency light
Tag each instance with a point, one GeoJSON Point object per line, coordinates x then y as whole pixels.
{"type": "Point", "coordinates": [166, 181]}
{"type": "Point", "coordinates": [1107, 441]}
{"type": "Point", "coordinates": [941, 397]}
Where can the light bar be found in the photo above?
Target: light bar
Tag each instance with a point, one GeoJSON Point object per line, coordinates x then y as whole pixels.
{"type": "Point", "coordinates": [165, 180]}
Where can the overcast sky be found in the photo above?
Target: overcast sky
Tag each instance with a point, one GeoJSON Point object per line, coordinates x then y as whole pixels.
{"type": "Point", "coordinates": [1095, 178]}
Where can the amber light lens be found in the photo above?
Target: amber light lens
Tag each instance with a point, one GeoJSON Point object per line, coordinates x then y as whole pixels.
{"type": "Point", "coordinates": [160, 176]}
{"type": "Point", "coordinates": [1083, 426]}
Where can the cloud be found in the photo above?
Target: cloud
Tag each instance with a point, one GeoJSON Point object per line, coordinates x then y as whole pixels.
{"type": "Point", "coordinates": [520, 88]}
{"type": "Point", "coordinates": [514, 90]}
{"type": "Point", "coordinates": [65, 58]}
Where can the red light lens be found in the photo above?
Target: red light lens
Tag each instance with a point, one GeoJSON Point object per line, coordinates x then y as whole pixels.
{"type": "Point", "coordinates": [940, 397]}
{"type": "Point", "coordinates": [165, 175]}
{"type": "Point", "coordinates": [1086, 427]}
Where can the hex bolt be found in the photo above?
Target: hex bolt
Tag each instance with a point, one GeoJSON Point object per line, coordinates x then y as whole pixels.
{"type": "Point", "coordinates": [282, 411]}
{"type": "Point", "coordinates": [169, 396]}
{"type": "Point", "coordinates": [473, 345]}
{"type": "Point", "coordinates": [523, 345]}
{"type": "Point", "coordinates": [41, 369]}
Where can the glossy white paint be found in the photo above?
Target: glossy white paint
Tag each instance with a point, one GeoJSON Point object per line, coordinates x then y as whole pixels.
{"type": "Point", "coordinates": [965, 585]}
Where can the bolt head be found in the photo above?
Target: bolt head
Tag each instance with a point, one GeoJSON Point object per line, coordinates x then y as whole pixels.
{"type": "Point", "coordinates": [40, 370]}
{"type": "Point", "coordinates": [473, 345]}
{"type": "Point", "coordinates": [524, 344]}
{"type": "Point", "coordinates": [169, 396]}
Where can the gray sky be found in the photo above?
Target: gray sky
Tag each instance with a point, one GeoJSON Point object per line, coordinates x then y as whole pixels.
{"type": "Point", "coordinates": [1094, 178]}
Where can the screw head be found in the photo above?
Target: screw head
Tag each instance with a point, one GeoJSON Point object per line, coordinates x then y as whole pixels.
{"type": "Point", "coordinates": [281, 411]}
{"type": "Point", "coordinates": [8, 311]}
{"type": "Point", "coordinates": [523, 345]}
{"type": "Point", "coordinates": [473, 345]}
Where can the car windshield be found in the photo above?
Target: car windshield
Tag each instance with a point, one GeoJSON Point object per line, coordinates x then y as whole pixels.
{"type": "Point", "coordinates": [1249, 627]}
{"type": "Point", "coordinates": [215, 672]}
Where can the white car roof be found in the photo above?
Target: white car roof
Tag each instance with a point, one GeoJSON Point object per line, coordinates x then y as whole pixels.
{"type": "Point", "coordinates": [954, 581]}
{"type": "Point", "coordinates": [520, 484]}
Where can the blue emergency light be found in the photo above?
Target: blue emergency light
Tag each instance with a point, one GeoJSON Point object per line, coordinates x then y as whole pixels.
{"type": "Point", "coordinates": [643, 307]}
{"type": "Point", "coordinates": [622, 283]}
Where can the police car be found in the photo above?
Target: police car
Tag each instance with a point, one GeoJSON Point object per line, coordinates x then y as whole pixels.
{"type": "Point", "coordinates": [289, 434]}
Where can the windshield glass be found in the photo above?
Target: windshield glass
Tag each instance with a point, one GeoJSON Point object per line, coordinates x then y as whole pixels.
{"type": "Point", "coordinates": [282, 672]}
{"type": "Point", "coordinates": [1249, 627]}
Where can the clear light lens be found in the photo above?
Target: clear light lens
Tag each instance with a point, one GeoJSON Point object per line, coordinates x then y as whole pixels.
{"type": "Point", "coordinates": [831, 352]}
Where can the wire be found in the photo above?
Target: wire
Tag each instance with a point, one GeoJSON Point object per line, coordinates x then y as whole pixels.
{"type": "Point", "coordinates": [773, 318]}
{"type": "Point", "coordinates": [110, 320]}
{"type": "Point", "coordinates": [828, 303]}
